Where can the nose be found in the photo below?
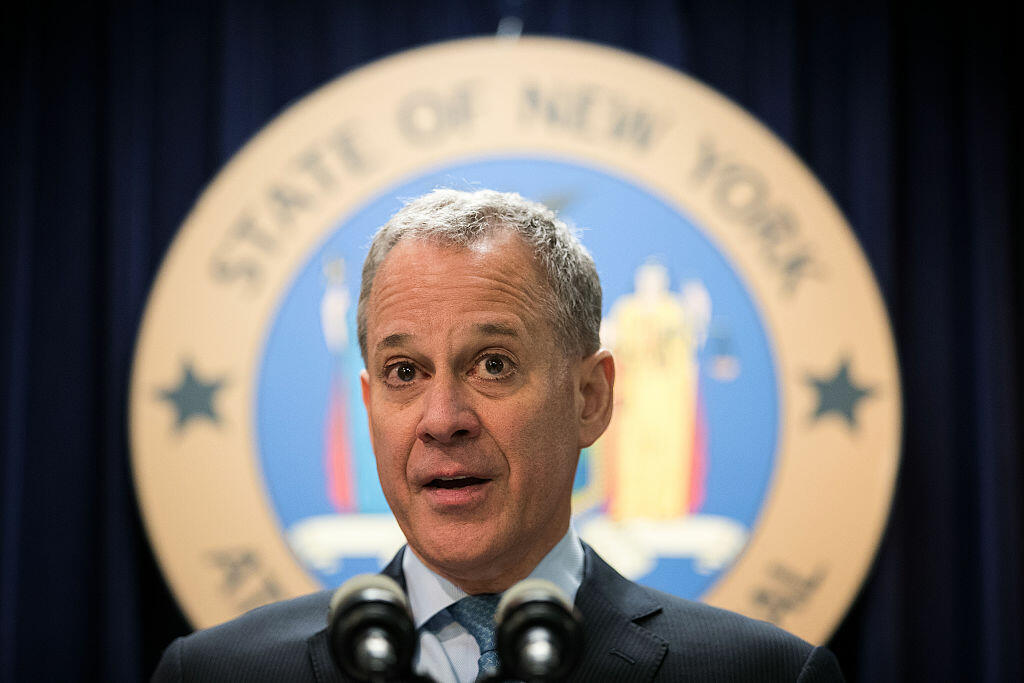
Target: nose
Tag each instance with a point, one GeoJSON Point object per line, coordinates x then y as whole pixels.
{"type": "Point", "coordinates": [447, 416]}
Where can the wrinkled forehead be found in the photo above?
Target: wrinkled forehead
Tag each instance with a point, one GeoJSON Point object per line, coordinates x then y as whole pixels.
{"type": "Point", "coordinates": [496, 266]}
{"type": "Point", "coordinates": [418, 262]}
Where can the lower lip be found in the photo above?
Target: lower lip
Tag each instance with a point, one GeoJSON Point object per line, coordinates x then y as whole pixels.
{"type": "Point", "coordinates": [461, 498]}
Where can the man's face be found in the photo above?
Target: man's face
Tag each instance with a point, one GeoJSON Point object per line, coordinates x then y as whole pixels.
{"type": "Point", "coordinates": [475, 411]}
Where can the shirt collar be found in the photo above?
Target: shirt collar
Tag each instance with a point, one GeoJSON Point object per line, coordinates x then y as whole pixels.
{"type": "Point", "coordinates": [430, 593]}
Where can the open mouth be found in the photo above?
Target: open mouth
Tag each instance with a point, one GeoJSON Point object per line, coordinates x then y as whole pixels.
{"type": "Point", "coordinates": [455, 482]}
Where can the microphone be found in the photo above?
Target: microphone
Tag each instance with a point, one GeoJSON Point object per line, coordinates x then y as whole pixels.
{"type": "Point", "coordinates": [540, 634]}
{"type": "Point", "coordinates": [370, 629]}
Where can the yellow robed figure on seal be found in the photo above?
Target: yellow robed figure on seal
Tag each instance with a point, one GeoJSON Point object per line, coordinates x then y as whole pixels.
{"type": "Point", "coordinates": [648, 456]}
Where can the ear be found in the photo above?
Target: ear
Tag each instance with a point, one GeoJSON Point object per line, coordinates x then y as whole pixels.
{"type": "Point", "coordinates": [364, 382]}
{"type": "Point", "coordinates": [597, 379]}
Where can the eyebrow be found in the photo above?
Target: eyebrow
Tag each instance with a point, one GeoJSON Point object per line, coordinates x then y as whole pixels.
{"type": "Point", "coordinates": [497, 329]}
{"type": "Point", "coordinates": [393, 340]}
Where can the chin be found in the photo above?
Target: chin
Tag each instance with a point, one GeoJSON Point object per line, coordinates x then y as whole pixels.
{"type": "Point", "coordinates": [459, 551]}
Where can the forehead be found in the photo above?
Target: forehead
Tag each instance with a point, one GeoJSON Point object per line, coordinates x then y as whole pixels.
{"type": "Point", "coordinates": [425, 283]}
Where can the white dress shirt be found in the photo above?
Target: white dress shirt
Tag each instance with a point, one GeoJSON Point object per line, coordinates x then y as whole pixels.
{"type": "Point", "coordinates": [448, 653]}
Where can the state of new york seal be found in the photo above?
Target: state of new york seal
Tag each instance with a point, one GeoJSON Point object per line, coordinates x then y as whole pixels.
{"type": "Point", "coordinates": [755, 442]}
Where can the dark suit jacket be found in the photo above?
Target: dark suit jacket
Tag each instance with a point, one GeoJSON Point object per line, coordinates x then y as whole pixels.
{"type": "Point", "coordinates": [633, 633]}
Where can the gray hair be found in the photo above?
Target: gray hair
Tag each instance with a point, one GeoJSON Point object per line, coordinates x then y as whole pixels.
{"type": "Point", "coordinates": [463, 218]}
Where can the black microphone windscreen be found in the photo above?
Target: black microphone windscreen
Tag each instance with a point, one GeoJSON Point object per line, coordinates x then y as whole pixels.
{"type": "Point", "coordinates": [370, 629]}
{"type": "Point", "coordinates": [540, 634]}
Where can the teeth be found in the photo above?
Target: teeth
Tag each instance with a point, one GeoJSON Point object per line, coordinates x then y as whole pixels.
{"type": "Point", "coordinates": [452, 478]}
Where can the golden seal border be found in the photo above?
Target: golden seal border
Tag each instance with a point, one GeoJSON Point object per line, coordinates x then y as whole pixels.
{"type": "Point", "coordinates": [199, 486]}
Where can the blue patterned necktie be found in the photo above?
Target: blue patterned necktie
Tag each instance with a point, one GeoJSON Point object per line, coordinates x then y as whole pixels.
{"type": "Point", "coordinates": [476, 614]}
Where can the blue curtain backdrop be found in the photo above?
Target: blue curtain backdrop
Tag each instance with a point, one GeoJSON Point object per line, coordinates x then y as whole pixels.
{"type": "Point", "coordinates": [115, 116]}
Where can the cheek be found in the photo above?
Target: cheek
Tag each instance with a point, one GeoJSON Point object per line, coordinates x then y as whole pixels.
{"type": "Point", "coordinates": [546, 441]}
{"type": "Point", "coordinates": [390, 450]}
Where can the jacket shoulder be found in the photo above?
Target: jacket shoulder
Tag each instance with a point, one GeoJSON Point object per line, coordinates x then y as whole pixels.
{"type": "Point", "coordinates": [678, 639]}
{"type": "Point", "coordinates": [732, 646]}
{"type": "Point", "coordinates": [267, 643]}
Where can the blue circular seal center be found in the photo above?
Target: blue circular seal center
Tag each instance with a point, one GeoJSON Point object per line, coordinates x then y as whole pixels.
{"type": "Point", "coordinates": [669, 495]}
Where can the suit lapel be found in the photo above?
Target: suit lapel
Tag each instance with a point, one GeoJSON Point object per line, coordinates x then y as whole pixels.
{"type": "Point", "coordinates": [616, 646]}
{"type": "Point", "coordinates": [319, 647]}
{"type": "Point", "coordinates": [394, 568]}
{"type": "Point", "coordinates": [320, 658]}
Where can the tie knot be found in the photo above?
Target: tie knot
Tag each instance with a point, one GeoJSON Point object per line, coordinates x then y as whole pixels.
{"type": "Point", "coordinates": [476, 614]}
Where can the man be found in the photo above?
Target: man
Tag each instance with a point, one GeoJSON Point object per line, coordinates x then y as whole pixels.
{"type": "Point", "coordinates": [478, 323]}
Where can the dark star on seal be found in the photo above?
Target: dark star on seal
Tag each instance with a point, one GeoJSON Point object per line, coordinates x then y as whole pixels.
{"type": "Point", "coordinates": [839, 394]}
{"type": "Point", "coordinates": [192, 398]}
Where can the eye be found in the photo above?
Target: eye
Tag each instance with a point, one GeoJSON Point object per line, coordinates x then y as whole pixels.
{"type": "Point", "coordinates": [494, 366]}
{"type": "Point", "coordinates": [400, 373]}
